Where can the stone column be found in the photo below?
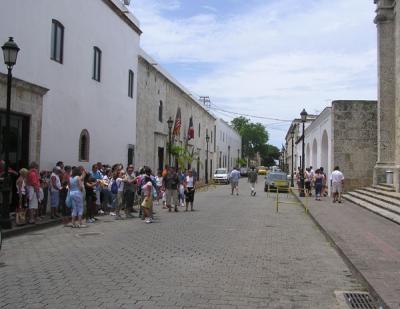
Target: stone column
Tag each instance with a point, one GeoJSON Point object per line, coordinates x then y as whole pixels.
{"type": "Point", "coordinates": [385, 21]}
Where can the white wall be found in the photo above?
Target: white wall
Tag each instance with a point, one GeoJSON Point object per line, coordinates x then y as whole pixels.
{"type": "Point", "coordinates": [75, 101]}
{"type": "Point", "coordinates": [228, 142]}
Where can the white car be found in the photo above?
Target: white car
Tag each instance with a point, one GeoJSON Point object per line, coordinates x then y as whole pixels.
{"type": "Point", "coordinates": [221, 175]}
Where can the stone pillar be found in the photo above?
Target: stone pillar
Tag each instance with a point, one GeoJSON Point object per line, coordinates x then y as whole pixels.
{"type": "Point", "coordinates": [385, 21]}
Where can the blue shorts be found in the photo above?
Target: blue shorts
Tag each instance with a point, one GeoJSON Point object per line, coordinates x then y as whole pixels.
{"type": "Point", "coordinates": [54, 199]}
{"type": "Point", "coordinates": [77, 203]}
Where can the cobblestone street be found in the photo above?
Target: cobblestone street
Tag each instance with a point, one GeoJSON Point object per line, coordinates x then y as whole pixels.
{"type": "Point", "coordinates": [232, 252]}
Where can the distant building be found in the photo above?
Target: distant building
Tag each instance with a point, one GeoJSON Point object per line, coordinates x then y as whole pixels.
{"type": "Point", "coordinates": [75, 98]}
{"type": "Point", "coordinates": [159, 98]}
{"type": "Point", "coordinates": [228, 145]}
{"type": "Point", "coordinates": [343, 135]}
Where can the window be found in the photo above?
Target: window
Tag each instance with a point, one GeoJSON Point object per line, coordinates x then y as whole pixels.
{"type": "Point", "coordinates": [130, 83]}
{"type": "Point", "coordinates": [96, 63]}
{"type": "Point", "coordinates": [57, 41]}
{"type": "Point", "coordinates": [211, 139]}
{"type": "Point", "coordinates": [84, 141]}
{"type": "Point", "coordinates": [160, 111]}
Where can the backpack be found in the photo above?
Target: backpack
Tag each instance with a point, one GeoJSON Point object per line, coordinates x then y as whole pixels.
{"type": "Point", "coordinates": [114, 187]}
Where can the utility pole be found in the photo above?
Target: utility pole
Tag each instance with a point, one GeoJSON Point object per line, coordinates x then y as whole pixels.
{"type": "Point", "coordinates": [206, 101]}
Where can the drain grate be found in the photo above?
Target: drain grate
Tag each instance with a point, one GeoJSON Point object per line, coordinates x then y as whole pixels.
{"type": "Point", "coordinates": [89, 234]}
{"type": "Point", "coordinates": [359, 300]}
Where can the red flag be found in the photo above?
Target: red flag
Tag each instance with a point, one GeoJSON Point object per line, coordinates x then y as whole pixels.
{"type": "Point", "coordinates": [190, 134]}
{"type": "Point", "coordinates": [178, 123]}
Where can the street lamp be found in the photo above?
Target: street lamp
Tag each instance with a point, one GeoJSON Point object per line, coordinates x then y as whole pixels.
{"type": "Point", "coordinates": [303, 115]}
{"type": "Point", "coordinates": [170, 123]}
{"type": "Point", "coordinates": [292, 137]}
{"type": "Point", "coordinates": [10, 53]}
{"type": "Point", "coordinates": [283, 158]}
{"type": "Point", "coordinates": [207, 140]}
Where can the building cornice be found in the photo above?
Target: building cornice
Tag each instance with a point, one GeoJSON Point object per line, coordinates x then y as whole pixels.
{"type": "Point", "coordinates": [125, 15]}
{"type": "Point", "coordinates": [385, 11]}
{"type": "Point", "coordinates": [19, 83]}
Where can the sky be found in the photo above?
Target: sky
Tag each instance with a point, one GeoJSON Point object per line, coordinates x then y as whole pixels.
{"type": "Point", "coordinates": [265, 58]}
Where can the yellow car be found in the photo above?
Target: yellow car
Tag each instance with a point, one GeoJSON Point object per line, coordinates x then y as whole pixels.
{"type": "Point", "coordinates": [262, 170]}
{"type": "Point", "coordinates": [276, 181]}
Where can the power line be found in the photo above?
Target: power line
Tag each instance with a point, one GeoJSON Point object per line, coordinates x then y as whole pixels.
{"type": "Point", "coordinates": [248, 115]}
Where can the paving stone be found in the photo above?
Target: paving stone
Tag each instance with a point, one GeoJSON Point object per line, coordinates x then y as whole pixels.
{"type": "Point", "coordinates": [233, 252]}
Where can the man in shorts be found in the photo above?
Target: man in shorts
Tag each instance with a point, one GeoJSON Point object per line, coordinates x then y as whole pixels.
{"type": "Point", "coordinates": [171, 185]}
{"type": "Point", "coordinates": [234, 179]}
{"type": "Point", "coordinates": [337, 182]}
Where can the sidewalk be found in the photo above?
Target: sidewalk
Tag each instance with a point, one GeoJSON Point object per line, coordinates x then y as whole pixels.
{"type": "Point", "coordinates": [369, 243]}
{"type": "Point", "coordinates": [40, 224]}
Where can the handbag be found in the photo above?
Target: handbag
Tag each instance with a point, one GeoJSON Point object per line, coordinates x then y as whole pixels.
{"type": "Point", "coordinates": [68, 200]}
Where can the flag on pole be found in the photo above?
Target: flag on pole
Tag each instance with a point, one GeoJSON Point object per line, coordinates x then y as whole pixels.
{"type": "Point", "coordinates": [190, 134]}
{"type": "Point", "coordinates": [178, 123]}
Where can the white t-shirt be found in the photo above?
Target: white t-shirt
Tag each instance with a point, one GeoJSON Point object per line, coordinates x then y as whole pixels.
{"type": "Point", "coordinates": [120, 184]}
{"type": "Point", "coordinates": [189, 181]}
{"type": "Point", "coordinates": [337, 177]}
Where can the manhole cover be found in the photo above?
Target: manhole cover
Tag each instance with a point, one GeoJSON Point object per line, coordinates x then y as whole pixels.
{"type": "Point", "coordinates": [89, 234]}
{"type": "Point", "coordinates": [359, 300]}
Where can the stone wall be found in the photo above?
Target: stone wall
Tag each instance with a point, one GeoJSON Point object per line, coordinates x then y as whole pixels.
{"type": "Point", "coordinates": [27, 100]}
{"type": "Point", "coordinates": [156, 86]}
{"type": "Point", "coordinates": [355, 141]}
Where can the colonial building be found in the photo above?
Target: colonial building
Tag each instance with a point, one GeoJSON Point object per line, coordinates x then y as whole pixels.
{"type": "Point", "coordinates": [85, 54]}
{"type": "Point", "coordinates": [388, 26]}
{"type": "Point", "coordinates": [228, 145]}
{"type": "Point", "coordinates": [160, 98]}
{"type": "Point", "coordinates": [343, 135]}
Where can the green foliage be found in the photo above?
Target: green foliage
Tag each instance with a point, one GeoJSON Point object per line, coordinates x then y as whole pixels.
{"type": "Point", "coordinates": [183, 156]}
{"type": "Point", "coordinates": [255, 140]}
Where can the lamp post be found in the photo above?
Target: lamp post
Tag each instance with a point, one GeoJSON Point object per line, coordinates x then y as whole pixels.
{"type": "Point", "coordinates": [303, 115]}
{"type": "Point", "coordinates": [207, 140]}
{"type": "Point", "coordinates": [292, 137]}
{"type": "Point", "coordinates": [283, 158]}
{"type": "Point", "coordinates": [10, 53]}
{"type": "Point", "coordinates": [170, 123]}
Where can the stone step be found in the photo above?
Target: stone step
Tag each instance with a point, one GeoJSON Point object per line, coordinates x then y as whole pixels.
{"type": "Point", "coordinates": [391, 194]}
{"type": "Point", "coordinates": [379, 202]}
{"type": "Point", "coordinates": [377, 210]}
{"type": "Point", "coordinates": [384, 188]}
{"type": "Point", "coordinates": [386, 185]}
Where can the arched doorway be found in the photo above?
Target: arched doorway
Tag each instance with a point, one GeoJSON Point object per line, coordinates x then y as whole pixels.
{"type": "Point", "coordinates": [324, 151]}
{"type": "Point", "coordinates": [314, 154]}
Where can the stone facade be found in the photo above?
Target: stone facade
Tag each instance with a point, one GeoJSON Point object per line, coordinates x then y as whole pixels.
{"type": "Point", "coordinates": [26, 101]}
{"type": "Point", "coordinates": [354, 143]}
{"type": "Point", "coordinates": [388, 31]}
{"type": "Point", "coordinates": [159, 97]}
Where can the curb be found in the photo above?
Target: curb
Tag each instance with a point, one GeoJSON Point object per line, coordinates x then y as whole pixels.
{"type": "Point", "coordinates": [379, 301]}
{"type": "Point", "coordinates": [29, 228]}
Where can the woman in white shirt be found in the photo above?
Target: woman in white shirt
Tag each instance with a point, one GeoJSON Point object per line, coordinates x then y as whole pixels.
{"type": "Point", "coordinates": [189, 184]}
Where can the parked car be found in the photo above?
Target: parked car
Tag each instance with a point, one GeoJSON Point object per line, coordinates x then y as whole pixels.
{"type": "Point", "coordinates": [262, 170]}
{"type": "Point", "coordinates": [276, 180]}
{"type": "Point", "coordinates": [221, 175]}
{"type": "Point", "coordinates": [243, 171]}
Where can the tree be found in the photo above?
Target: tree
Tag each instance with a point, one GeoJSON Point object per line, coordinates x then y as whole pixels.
{"type": "Point", "coordinates": [254, 135]}
{"type": "Point", "coordinates": [269, 154]}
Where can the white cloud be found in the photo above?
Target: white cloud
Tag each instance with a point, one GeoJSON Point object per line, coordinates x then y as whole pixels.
{"type": "Point", "coordinates": [272, 59]}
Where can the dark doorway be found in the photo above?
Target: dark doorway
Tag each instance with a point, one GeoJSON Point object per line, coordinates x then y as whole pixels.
{"type": "Point", "coordinates": [18, 142]}
{"type": "Point", "coordinates": [198, 169]}
{"type": "Point", "coordinates": [160, 158]}
{"type": "Point", "coordinates": [131, 154]}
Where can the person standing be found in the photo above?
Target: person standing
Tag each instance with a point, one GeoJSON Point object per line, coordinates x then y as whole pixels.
{"type": "Point", "coordinates": [171, 183]}
{"type": "Point", "coordinates": [234, 179]}
{"type": "Point", "coordinates": [76, 195]}
{"type": "Point", "coordinates": [337, 182]}
{"type": "Point", "coordinates": [129, 191]}
{"type": "Point", "coordinates": [33, 188]}
{"type": "Point", "coordinates": [147, 203]}
{"type": "Point", "coordinates": [120, 194]}
{"type": "Point", "coordinates": [252, 178]}
{"type": "Point", "coordinates": [319, 183]}
{"type": "Point", "coordinates": [190, 185]}
{"type": "Point", "coordinates": [54, 188]}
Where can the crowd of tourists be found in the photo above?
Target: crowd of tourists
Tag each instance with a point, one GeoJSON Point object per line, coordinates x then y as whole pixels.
{"type": "Point", "coordinates": [318, 181]}
{"type": "Point", "coordinates": [78, 195]}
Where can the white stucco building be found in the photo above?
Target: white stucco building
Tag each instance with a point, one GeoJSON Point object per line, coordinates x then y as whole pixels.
{"type": "Point", "coordinates": [228, 145]}
{"type": "Point", "coordinates": [85, 53]}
